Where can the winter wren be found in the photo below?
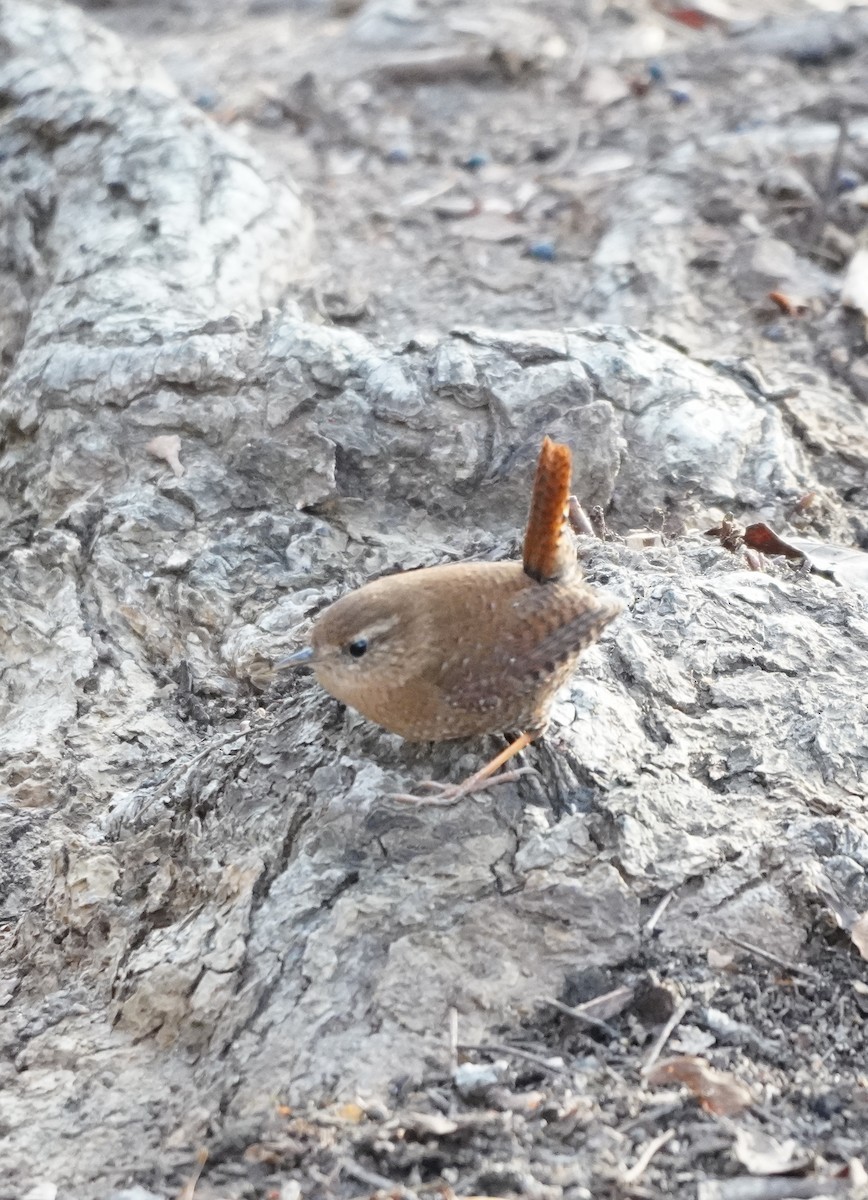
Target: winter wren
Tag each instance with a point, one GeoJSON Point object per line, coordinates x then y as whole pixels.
{"type": "Point", "coordinates": [467, 648]}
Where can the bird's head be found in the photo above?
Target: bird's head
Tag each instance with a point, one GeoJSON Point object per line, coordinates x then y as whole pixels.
{"type": "Point", "coordinates": [370, 640]}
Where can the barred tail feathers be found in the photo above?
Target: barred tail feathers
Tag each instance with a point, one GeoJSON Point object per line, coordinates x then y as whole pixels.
{"type": "Point", "coordinates": [548, 552]}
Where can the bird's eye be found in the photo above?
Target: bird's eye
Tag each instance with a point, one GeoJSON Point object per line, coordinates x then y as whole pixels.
{"type": "Point", "coordinates": [357, 648]}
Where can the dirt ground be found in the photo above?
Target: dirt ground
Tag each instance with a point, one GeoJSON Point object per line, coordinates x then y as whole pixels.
{"type": "Point", "coordinates": [473, 164]}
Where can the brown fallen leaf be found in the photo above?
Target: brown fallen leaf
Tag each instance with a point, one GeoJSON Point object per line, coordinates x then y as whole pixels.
{"type": "Point", "coordinates": [762, 537]}
{"type": "Point", "coordinates": [718, 1092]}
{"type": "Point", "coordinates": [845, 564]}
{"type": "Point", "coordinates": [791, 306]}
{"type": "Point", "coordinates": [693, 17]}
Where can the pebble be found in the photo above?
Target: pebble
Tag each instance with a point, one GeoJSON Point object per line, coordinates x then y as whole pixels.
{"type": "Point", "coordinates": [543, 251]}
{"type": "Point", "coordinates": [471, 1079]}
{"type": "Point", "coordinates": [474, 162]}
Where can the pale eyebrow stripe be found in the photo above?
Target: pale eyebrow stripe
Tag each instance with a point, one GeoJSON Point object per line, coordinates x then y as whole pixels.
{"type": "Point", "coordinates": [378, 628]}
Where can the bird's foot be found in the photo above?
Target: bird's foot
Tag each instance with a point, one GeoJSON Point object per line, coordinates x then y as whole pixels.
{"type": "Point", "coordinates": [451, 793]}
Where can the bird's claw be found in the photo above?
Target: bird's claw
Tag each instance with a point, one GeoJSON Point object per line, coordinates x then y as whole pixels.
{"type": "Point", "coordinates": [451, 793]}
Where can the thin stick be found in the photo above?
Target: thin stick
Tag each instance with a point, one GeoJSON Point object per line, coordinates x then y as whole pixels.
{"type": "Point", "coordinates": [745, 1187]}
{"type": "Point", "coordinates": [651, 1114]}
{"type": "Point", "coordinates": [640, 1166]}
{"type": "Point", "coordinates": [579, 519]}
{"type": "Point", "coordinates": [818, 221]}
{"type": "Point", "coordinates": [651, 923]}
{"type": "Point", "coordinates": [371, 1178]}
{"type": "Point", "coordinates": [453, 1040]}
{"type": "Point", "coordinates": [779, 962]}
{"type": "Point", "coordinates": [585, 1018]}
{"type": "Point", "coordinates": [188, 1191]}
{"type": "Point", "coordinates": [665, 1034]}
{"type": "Point", "coordinates": [516, 1053]}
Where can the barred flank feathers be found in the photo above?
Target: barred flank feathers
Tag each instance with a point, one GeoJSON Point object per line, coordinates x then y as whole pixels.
{"type": "Point", "coordinates": [547, 552]}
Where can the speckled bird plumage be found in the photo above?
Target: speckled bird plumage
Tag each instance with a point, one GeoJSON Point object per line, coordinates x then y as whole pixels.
{"type": "Point", "coordinates": [473, 647]}
{"type": "Point", "coordinates": [457, 650]}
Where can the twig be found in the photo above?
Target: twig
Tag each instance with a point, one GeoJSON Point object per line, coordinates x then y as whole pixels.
{"type": "Point", "coordinates": [818, 221]}
{"type": "Point", "coordinates": [585, 1018]}
{"type": "Point", "coordinates": [188, 1191]}
{"type": "Point", "coordinates": [453, 1040]}
{"type": "Point", "coordinates": [371, 1178]}
{"type": "Point", "coordinates": [745, 1187]}
{"type": "Point", "coordinates": [580, 520]}
{"type": "Point", "coordinates": [640, 1166]}
{"type": "Point", "coordinates": [516, 1053]}
{"type": "Point", "coordinates": [651, 923]}
{"type": "Point", "coordinates": [779, 962]}
{"type": "Point", "coordinates": [665, 1034]}
{"type": "Point", "coordinates": [180, 769]}
{"type": "Point", "coordinates": [598, 522]}
{"type": "Point", "coordinates": [651, 1114]}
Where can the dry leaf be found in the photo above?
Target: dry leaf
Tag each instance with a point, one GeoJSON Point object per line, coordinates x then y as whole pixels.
{"type": "Point", "coordinates": [764, 1155]}
{"type": "Point", "coordinates": [602, 85]}
{"type": "Point", "coordinates": [844, 564]}
{"type": "Point", "coordinates": [859, 934]}
{"type": "Point", "coordinates": [718, 1092]}
{"type": "Point", "coordinates": [351, 1112]}
{"type": "Point", "coordinates": [692, 1040]}
{"type": "Point", "coordinates": [792, 306]}
{"type": "Point", "coordinates": [489, 227]}
{"type": "Point", "coordinates": [693, 18]}
{"type": "Point", "coordinates": [719, 960]}
{"type": "Point", "coordinates": [609, 1004]}
{"type": "Point", "coordinates": [854, 291]}
{"type": "Point", "coordinates": [428, 1124]}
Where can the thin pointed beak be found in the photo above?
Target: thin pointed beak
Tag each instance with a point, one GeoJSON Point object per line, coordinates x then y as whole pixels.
{"type": "Point", "coordinates": [295, 660]}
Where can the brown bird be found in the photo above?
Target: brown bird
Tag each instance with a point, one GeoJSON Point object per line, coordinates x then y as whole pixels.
{"type": "Point", "coordinates": [467, 648]}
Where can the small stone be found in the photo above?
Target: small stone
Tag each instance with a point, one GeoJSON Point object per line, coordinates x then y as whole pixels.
{"type": "Point", "coordinates": [655, 1002]}
{"type": "Point", "coordinates": [775, 332]}
{"type": "Point", "coordinates": [603, 86]}
{"type": "Point", "coordinates": [720, 209]}
{"type": "Point", "coordinates": [207, 100]}
{"type": "Point", "coordinates": [786, 183]}
{"type": "Point", "coordinates": [398, 155]}
{"type": "Point", "coordinates": [455, 206]}
{"type": "Point", "coordinates": [827, 1104]}
{"type": "Point", "coordinates": [474, 1079]}
{"type": "Point", "coordinates": [542, 251]}
{"type": "Point", "coordinates": [474, 162]}
{"type": "Point", "coordinates": [585, 983]}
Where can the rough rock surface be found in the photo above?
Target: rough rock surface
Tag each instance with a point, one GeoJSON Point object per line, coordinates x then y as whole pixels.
{"type": "Point", "coordinates": [209, 901]}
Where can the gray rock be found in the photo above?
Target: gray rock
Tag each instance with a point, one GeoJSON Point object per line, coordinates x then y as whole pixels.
{"type": "Point", "coordinates": [215, 902]}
